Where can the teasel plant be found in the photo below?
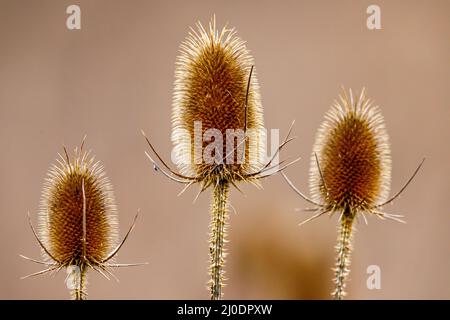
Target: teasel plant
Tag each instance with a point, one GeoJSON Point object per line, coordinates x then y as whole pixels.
{"type": "Point", "coordinates": [78, 225]}
{"type": "Point", "coordinates": [216, 89]}
{"type": "Point", "coordinates": [350, 173]}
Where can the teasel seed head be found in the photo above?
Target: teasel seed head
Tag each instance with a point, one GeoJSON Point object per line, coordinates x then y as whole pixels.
{"type": "Point", "coordinates": [216, 91]}
{"type": "Point", "coordinates": [74, 185]}
{"type": "Point", "coordinates": [211, 88]}
{"type": "Point", "coordinates": [350, 173]}
{"type": "Point", "coordinates": [78, 227]}
{"type": "Point", "coordinates": [350, 170]}
{"type": "Point", "coordinates": [351, 162]}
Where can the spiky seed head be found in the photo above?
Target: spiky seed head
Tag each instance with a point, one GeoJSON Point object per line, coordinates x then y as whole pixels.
{"type": "Point", "coordinates": [61, 212]}
{"type": "Point", "coordinates": [211, 78]}
{"type": "Point", "coordinates": [354, 156]}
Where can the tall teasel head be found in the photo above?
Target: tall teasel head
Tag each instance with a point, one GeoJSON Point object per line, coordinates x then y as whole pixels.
{"type": "Point", "coordinates": [78, 227]}
{"type": "Point", "coordinates": [216, 101]}
{"type": "Point", "coordinates": [350, 172]}
{"type": "Point", "coordinates": [213, 91]}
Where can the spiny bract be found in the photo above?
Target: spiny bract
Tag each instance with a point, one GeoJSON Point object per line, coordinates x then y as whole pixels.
{"type": "Point", "coordinates": [212, 73]}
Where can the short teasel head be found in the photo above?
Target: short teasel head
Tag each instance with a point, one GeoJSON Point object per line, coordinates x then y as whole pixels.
{"type": "Point", "coordinates": [351, 163]}
{"type": "Point", "coordinates": [216, 90]}
{"type": "Point", "coordinates": [78, 227]}
{"type": "Point", "coordinates": [78, 195]}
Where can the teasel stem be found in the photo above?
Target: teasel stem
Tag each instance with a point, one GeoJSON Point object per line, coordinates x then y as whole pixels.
{"type": "Point", "coordinates": [344, 248]}
{"type": "Point", "coordinates": [80, 284]}
{"type": "Point", "coordinates": [218, 231]}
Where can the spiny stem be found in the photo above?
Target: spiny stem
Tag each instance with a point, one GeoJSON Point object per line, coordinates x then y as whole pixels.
{"type": "Point", "coordinates": [344, 248]}
{"type": "Point", "coordinates": [216, 245]}
{"type": "Point", "coordinates": [79, 284]}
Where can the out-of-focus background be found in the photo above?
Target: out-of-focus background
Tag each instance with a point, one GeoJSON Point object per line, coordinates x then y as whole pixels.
{"type": "Point", "coordinates": [115, 76]}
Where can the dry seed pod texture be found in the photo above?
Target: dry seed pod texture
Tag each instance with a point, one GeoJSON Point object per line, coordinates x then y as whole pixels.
{"type": "Point", "coordinates": [350, 172]}
{"type": "Point", "coordinates": [216, 88]}
{"type": "Point", "coordinates": [212, 88]}
{"type": "Point", "coordinates": [71, 188]}
{"type": "Point", "coordinates": [354, 156]}
{"type": "Point", "coordinates": [78, 226]}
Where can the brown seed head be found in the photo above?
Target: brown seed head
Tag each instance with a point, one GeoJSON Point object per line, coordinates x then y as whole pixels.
{"type": "Point", "coordinates": [63, 204]}
{"type": "Point", "coordinates": [354, 157]}
{"type": "Point", "coordinates": [212, 73]}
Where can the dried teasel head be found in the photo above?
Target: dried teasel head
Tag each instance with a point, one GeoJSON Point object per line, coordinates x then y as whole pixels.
{"type": "Point", "coordinates": [351, 161]}
{"type": "Point", "coordinates": [350, 168]}
{"type": "Point", "coordinates": [217, 115]}
{"type": "Point", "coordinates": [213, 89]}
{"type": "Point", "coordinates": [78, 227]}
{"type": "Point", "coordinates": [350, 172]}
{"type": "Point", "coordinates": [78, 215]}
{"type": "Point", "coordinates": [216, 102]}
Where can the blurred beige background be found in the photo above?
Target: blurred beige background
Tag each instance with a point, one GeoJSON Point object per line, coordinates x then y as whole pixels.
{"type": "Point", "coordinates": [115, 76]}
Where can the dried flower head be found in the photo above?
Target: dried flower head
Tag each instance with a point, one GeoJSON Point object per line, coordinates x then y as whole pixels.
{"type": "Point", "coordinates": [78, 216]}
{"type": "Point", "coordinates": [216, 94]}
{"type": "Point", "coordinates": [212, 88]}
{"type": "Point", "coordinates": [350, 172]}
{"type": "Point", "coordinates": [78, 226]}
{"type": "Point", "coordinates": [354, 157]}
